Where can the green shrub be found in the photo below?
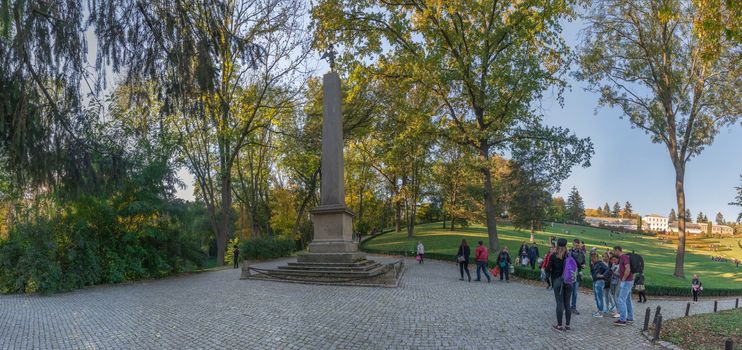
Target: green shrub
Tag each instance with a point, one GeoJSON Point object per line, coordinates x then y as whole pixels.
{"type": "Point", "coordinates": [263, 249]}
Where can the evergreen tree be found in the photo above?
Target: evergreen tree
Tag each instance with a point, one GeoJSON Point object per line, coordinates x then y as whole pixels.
{"type": "Point", "coordinates": [738, 199]}
{"type": "Point", "coordinates": [719, 218]}
{"type": "Point", "coordinates": [575, 206]}
{"type": "Point", "coordinates": [606, 209]}
{"type": "Point", "coordinates": [688, 216]}
{"type": "Point", "coordinates": [700, 218]}
{"type": "Point", "coordinates": [672, 217]}
{"type": "Point", "coordinates": [616, 210]}
{"type": "Point", "coordinates": [627, 210]}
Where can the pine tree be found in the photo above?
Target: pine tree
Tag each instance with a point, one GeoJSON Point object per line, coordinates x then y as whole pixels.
{"type": "Point", "coordinates": [575, 206]}
{"type": "Point", "coordinates": [738, 199]}
{"type": "Point", "coordinates": [688, 216]}
{"type": "Point", "coordinates": [719, 218]}
{"type": "Point", "coordinates": [628, 211]}
{"type": "Point", "coordinates": [672, 217]}
{"type": "Point", "coordinates": [700, 217]}
{"type": "Point", "coordinates": [606, 209]}
{"type": "Point", "coordinates": [616, 210]}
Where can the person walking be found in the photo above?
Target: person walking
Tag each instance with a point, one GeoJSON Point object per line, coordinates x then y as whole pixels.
{"type": "Point", "coordinates": [533, 255]}
{"type": "Point", "coordinates": [639, 287]}
{"type": "Point", "coordinates": [420, 252]}
{"type": "Point", "coordinates": [625, 308]}
{"type": "Point", "coordinates": [503, 262]}
{"type": "Point", "coordinates": [696, 287]}
{"type": "Point", "coordinates": [463, 258]}
{"type": "Point", "coordinates": [523, 254]}
{"type": "Point", "coordinates": [235, 255]}
{"type": "Point", "coordinates": [480, 255]}
{"type": "Point", "coordinates": [562, 291]}
{"type": "Point", "coordinates": [578, 254]}
{"type": "Point", "coordinates": [598, 270]}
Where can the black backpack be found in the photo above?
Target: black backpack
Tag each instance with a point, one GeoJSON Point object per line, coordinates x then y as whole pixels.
{"type": "Point", "coordinates": [636, 262]}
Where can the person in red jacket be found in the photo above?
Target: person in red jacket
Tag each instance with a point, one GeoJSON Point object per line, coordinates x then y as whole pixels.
{"type": "Point", "coordinates": [480, 255]}
{"type": "Point", "coordinates": [544, 264]}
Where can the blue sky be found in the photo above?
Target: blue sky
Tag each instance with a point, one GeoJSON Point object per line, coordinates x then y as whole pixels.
{"type": "Point", "coordinates": [627, 166]}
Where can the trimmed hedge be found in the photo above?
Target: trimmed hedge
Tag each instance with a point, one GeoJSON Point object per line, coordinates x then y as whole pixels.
{"type": "Point", "coordinates": [527, 273]}
{"type": "Point", "coordinates": [264, 249]}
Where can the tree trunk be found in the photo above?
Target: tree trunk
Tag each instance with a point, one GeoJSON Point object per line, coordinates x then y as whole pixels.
{"type": "Point", "coordinates": [533, 222]}
{"type": "Point", "coordinates": [489, 205]}
{"type": "Point", "coordinates": [221, 238]}
{"type": "Point", "coordinates": [680, 194]}
{"type": "Point", "coordinates": [398, 216]}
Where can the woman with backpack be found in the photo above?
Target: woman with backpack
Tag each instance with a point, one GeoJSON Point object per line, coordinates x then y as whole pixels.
{"type": "Point", "coordinates": [463, 259]}
{"type": "Point", "coordinates": [559, 263]}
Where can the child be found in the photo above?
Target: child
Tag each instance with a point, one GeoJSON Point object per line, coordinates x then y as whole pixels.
{"type": "Point", "coordinates": [615, 282]}
{"type": "Point", "coordinates": [639, 286]}
{"type": "Point", "coordinates": [420, 252]}
{"type": "Point", "coordinates": [696, 287]}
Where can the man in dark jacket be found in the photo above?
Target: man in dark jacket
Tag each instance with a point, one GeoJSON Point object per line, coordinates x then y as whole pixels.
{"type": "Point", "coordinates": [533, 255]}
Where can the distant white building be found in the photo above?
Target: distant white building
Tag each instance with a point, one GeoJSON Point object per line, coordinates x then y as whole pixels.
{"type": "Point", "coordinates": [629, 224]}
{"type": "Point", "coordinates": [654, 222]}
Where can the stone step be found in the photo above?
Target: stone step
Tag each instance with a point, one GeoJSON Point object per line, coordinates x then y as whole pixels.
{"type": "Point", "coordinates": [326, 264]}
{"type": "Point", "coordinates": [303, 267]}
{"type": "Point", "coordinates": [324, 274]}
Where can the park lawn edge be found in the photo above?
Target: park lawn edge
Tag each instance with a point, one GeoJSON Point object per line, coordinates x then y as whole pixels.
{"type": "Point", "coordinates": [527, 273]}
{"type": "Point", "coordinates": [701, 332]}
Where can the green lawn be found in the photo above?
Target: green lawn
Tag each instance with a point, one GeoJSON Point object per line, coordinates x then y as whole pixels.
{"type": "Point", "coordinates": [659, 257]}
{"type": "Point", "coordinates": [706, 331]}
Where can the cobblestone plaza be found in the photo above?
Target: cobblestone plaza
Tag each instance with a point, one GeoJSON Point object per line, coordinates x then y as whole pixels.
{"type": "Point", "coordinates": [431, 309]}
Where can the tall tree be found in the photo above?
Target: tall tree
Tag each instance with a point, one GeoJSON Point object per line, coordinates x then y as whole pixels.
{"type": "Point", "coordinates": [670, 68]}
{"type": "Point", "coordinates": [688, 215]}
{"type": "Point", "coordinates": [616, 210]}
{"type": "Point", "coordinates": [223, 69]}
{"type": "Point", "coordinates": [486, 62]}
{"type": "Point", "coordinates": [719, 218]}
{"type": "Point", "coordinates": [672, 217]}
{"type": "Point", "coordinates": [627, 210]}
{"type": "Point", "coordinates": [700, 218]}
{"type": "Point", "coordinates": [738, 199]}
{"type": "Point", "coordinates": [575, 206]}
{"type": "Point", "coordinates": [606, 210]}
{"type": "Point", "coordinates": [539, 167]}
{"type": "Point", "coordinates": [557, 210]}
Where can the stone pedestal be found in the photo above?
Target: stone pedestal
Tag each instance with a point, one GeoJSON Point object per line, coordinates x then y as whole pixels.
{"type": "Point", "coordinates": [333, 237]}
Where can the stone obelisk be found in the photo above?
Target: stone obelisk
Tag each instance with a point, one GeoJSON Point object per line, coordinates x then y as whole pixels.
{"type": "Point", "coordinates": [333, 221]}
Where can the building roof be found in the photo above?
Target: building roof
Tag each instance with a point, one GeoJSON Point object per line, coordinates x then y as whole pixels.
{"type": "Point", "coordinates": [655, 215]}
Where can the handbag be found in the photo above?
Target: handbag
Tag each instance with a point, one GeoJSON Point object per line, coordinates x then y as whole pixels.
{"type": "Point", "coordinates": [639, 287]}
{"type": "Point", "coordinates": [460, 258]}
{"type": "Point", "coordinates": [496, 271]}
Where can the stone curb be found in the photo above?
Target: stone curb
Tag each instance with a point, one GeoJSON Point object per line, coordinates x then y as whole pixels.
{"type": "Point", "coordinates": [661, 343]}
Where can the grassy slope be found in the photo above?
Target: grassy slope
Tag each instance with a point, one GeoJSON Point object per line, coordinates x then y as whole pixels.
{"type": "Point", "coordinates": [659, 258]}
{"type": "Point", "coordinates": [706, 331]}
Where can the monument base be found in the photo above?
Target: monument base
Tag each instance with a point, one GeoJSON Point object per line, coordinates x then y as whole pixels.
{"type": "Point", "coordinates": [333, 237]}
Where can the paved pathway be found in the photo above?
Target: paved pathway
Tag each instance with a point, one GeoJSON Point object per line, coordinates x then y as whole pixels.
{"type": "Point", "coordinates": [430, 310]}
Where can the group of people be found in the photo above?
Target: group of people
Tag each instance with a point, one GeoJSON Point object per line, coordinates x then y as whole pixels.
{"type": "Point", "coordinates": [481, 256]}
{"type": "Point", "coordinates": [561, 269]}
{"type": "Point", "coordinates": [613, 282]}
